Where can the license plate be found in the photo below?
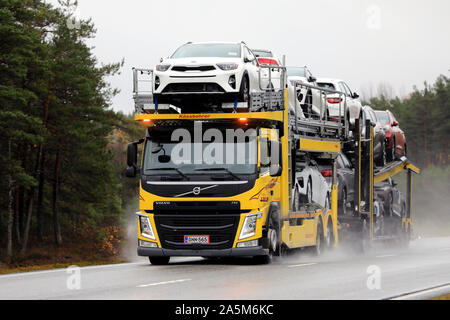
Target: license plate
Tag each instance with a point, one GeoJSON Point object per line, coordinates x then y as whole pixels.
{"type": "Point", "coordinates": [195, 239]}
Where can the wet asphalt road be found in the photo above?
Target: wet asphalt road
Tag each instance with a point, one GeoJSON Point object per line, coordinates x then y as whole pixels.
{"type": "Point", "coordinates": [341, 274]}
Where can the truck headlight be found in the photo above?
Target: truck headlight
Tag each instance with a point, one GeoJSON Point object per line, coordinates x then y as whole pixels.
{"type": "Point", "coordinates": [227, 66]}
{"type": "Point", "coordinates": [146, 228]}
{"type": "Point", "coordinates": [249, 227]}
{"type": "Point", "coordinates": [162, 67]}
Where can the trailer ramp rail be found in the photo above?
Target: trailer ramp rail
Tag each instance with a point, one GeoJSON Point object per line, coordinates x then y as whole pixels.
{"type": "Point", "coordinates": [269, 96]}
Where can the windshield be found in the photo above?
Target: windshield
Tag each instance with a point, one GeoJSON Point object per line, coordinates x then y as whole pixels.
{"type": "Point", "coordinates": [262, 54]}
{"type": "Point", "coordinates": [295, 71]}
{"type": "Point", "coordinates": [382, 117]}
{"type": "Point", "coordinates": [326, 85]}
{"type": "Point", "coordinates": [219, 50]}
{"type": "Point", "coordinates": [192, 158]}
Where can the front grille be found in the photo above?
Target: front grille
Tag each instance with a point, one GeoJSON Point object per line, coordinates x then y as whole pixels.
{"type": "Point", "coordinates": [193, 87]}
{"type": "Point", "coordinates": [198, 68]}
{"type": "Point", "coordinates": [221, 229]}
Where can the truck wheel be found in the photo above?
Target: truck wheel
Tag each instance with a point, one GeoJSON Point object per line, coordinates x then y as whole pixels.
{"type": "Point", "coordinates": [159, 261]}
{"type": "Point", "coordinates": [330, 235]}
{"type": "Point", "coordinates": [274, 236]}
{"type": "Point", "coordinates": [320, 240]}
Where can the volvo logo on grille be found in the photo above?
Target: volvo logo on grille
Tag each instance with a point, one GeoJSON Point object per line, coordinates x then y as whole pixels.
{"type": "Point", "coordinates": [196, 191]}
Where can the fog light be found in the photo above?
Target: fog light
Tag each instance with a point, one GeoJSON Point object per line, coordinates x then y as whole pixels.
{"type": "Point", "coordinates": [147, 244]}
{"type": "Point", "coordinates": [232, 81]}
{"type": "Point", "coordinates": [157, 82]}
{"type": "Point", "coordinates": [246, 244]}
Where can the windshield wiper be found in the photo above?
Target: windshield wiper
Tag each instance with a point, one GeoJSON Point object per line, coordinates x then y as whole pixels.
{"type": "Point", "coordinates": [174, 169]}
{"type": "Point", "coordinates": [220, 169]}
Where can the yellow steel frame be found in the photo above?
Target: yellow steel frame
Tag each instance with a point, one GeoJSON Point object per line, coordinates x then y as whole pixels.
{"type": "Point", "coordinates": [395, 170]}
{"type": "Point", "coordinates": [319, 145]}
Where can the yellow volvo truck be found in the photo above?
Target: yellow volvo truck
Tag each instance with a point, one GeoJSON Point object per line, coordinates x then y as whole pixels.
{"type": "Point", "coordinates": [219, 184]}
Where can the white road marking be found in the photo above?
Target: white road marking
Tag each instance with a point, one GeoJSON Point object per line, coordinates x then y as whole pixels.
{"type": "Point", "coordinates": [32, 273]}
{"type": "Point", "coordinates": [302, 265]}
{"type": "Point", "coordinates": [419, 293]}
{"type": "Point", "coordinates": [386, 256]}
{"type": "Point", "coordinates": [161, 283]}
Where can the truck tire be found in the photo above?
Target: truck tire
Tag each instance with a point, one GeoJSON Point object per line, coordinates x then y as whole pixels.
{"type": "Point", "coordinates": [318, 249]}
{"type": "Point", "coordinates": [330, 235]}
{"type": "Point", "coordinates": [159, 261]}
{"type": "Point", "coordinates": [274, 236]}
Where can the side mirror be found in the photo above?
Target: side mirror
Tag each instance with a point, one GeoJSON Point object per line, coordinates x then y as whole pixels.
{"type": "Point", "coordinates": [355, 95]}
{"type": "Point", "coordinates": [248, 59]}
{"type": "Point", "coordinates": [276, 167]}
{"type": "Point", "coordinates": [131, 172]}
{"type": "Point", "coordinates": [132, 155]}
{"type": "Point", "coordinates": [275, 171]}
{"type": "Point", "coordinates": [395, 124]}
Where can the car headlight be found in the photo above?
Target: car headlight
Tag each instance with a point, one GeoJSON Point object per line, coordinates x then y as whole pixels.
{"type": "Point", "coordinates": [227, 66]}
{"type": "Point", "coordinates": [249, 227]}
{"type": "Point", "coordinates": [146, 228]}
{"type": "Point", "coordinates": [162, 67]}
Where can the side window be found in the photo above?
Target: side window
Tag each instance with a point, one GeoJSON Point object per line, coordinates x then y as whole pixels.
{"type": "Point", "coordinates": [249, 54]}
{"type": "Point", "coordinates": [350, 93]}
{"type": "Point", "coordinates": [347, 163]}
{"type": "Point", "coordinates": [343, 88]}
{"type": "Point", "coordinates": [393, 118]}
{"type": "Point", "coordinates": [340, 163]}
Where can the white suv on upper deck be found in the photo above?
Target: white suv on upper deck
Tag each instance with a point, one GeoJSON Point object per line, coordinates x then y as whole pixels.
{"type": "Point", "coordinates": [206, 72]}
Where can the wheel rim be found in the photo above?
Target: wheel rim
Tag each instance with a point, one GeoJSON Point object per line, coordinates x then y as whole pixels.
{"type": "Point", "coordinates": [318, 240]}
{"type": "Point", "coordinates": [273, 240]}
{"type": "Point", "coordinates": [329, 236]}
{"type": "Point", "coordinates": [344, 202]}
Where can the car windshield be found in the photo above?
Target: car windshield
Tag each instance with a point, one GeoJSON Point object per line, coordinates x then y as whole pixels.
{"type": "Point", "coordinates": [326, 85]}
{"type": "Point", "coordinates": [382, 117]}
{"type": "Point", "coordinates": [262, 54]}
{"type": "Point", "coordinates": [295, 71]}
{"type": "Point", "coordinates": [192, 158]}
{"type": "Point", "coordinates": [219, 50]}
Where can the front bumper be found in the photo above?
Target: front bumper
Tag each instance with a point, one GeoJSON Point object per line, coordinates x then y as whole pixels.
{"type": "Point", "coordinates": [218, 77]}
{"type": "Point", "coordinates": [234, 252]}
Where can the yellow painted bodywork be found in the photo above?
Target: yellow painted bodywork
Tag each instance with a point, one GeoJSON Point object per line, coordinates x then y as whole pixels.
{"type": "Point", "coordinates": [395, 170]}
{"type": "Point", "coordinates": [266, 190]}
{"type": "Point", "coordinates": [318, 145]}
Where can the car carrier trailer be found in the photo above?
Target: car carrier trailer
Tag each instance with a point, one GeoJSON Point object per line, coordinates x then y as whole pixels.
{"type": "Point", "coordinates": [229, 214]}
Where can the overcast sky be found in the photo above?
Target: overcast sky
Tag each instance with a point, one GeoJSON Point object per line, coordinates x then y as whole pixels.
{"type": "Point", "coordinates": [365, 42]}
